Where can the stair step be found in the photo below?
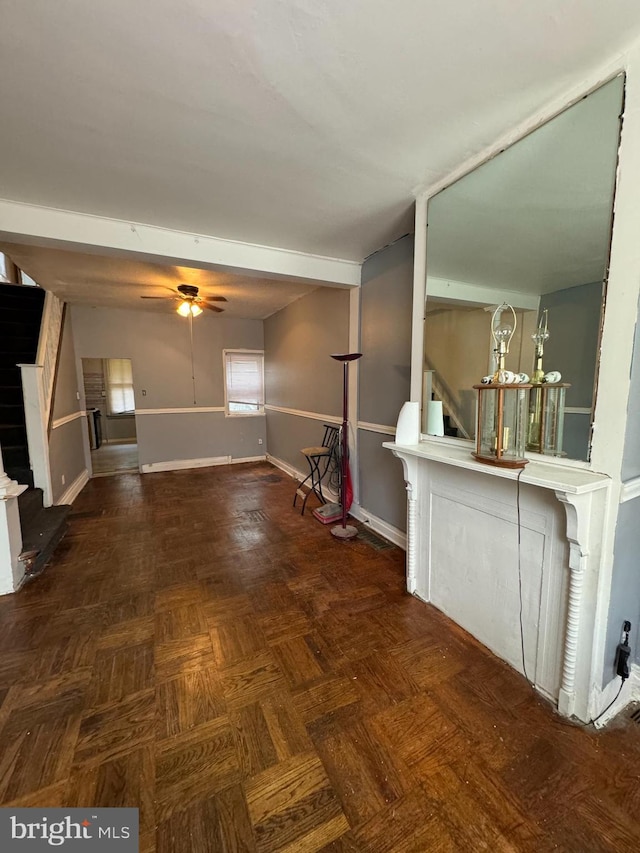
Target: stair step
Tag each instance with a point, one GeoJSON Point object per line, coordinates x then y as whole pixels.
{"type": "Point", "coordinates": [11, 396]}
{"type": "Point", "coordinates": [31, 296]}
{"type": "Point", "coordinates": [43, 533]}
{"type": "Point", "coordinates": [12, 435]}
{"type": "Point", "coordinates": [11, 414]}
{"type": "Point", "coordinates": [21, 474]}
{"type": "Point", "coordinates": [15, 323]}
{"type": "Point", "coordinates": [12, 359]}
{"type": "Point", "coordinates": [29, 504]}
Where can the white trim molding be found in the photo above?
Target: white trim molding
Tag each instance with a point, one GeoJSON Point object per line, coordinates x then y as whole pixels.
{"type": "Point", "coordinates": [70, 494]}
{"type": "Point", "coordinates": [381, 428]}
{"type": "Point", "coordinates": [630, 490]}
{"type": "Point", "coordinates": [67, 419]}
{"type": "Point", "coordinates": [185, 411]}
{"type": "Point", "coordinates": [207, 462]}
{"type": "Point", "coordinates": [630, 693]}
{"type": "Point", "coordinates": [378, 525]}
{"type": "Point", "coordinates": [79, 231]}
{"type": "Point", "coordinates": [314, 416]}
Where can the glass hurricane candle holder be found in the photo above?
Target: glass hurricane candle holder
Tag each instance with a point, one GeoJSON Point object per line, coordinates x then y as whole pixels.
{"type": "Point", "coordinates": [501, 432]}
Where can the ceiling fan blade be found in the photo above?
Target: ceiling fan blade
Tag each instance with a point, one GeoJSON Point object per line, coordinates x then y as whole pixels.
{"type": "Point", "coordinates": [212, 308]}
{"type": "Point", "coordinates": [213, 298]}
{"type": "Point", "coordinates": [172, 298]}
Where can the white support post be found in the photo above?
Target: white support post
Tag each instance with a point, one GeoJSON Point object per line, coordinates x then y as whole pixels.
{"type": "Point", "coordinates": [10, 532]}
{"type": "Point", "coordinates": [37, 436]}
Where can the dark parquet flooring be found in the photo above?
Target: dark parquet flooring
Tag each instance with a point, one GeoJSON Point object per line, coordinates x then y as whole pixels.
{"type": "Point", "coordinates": [200, 651]}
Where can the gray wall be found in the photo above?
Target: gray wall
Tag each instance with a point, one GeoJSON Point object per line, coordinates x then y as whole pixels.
{"type": "Point", "coordinates": [66, 443]}
{"type": "Point", "coordinates": [631, 460]}
{"type": "Point", "coordinates": [299, 373]}
{"type": "Point", "coordinates": [625, 581]}
{"type": "Point", "coordinates": [572, 348]}
{"type": "Point", "coordinates": [385, 368]}
{"type": "Point", "coordinates": [158, 346]}
{"type": "Point", "coordinates": [625, 585]}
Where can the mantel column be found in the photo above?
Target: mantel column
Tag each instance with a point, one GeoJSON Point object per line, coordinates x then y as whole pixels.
{"type": "Point", "coordinates": [410, 469]}
{"type": "Point", "coordinates": [578, 510]}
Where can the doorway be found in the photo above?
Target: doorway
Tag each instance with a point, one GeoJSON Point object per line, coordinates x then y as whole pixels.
{"type": "Point", "coordinates": [111, 422]}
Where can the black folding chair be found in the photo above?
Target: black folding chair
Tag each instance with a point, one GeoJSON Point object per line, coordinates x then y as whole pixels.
{"type": "Point", "coordinates": [319, 459]}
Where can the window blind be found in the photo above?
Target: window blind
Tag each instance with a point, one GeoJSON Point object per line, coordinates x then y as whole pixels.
{"type": "Point", "coordinates": [120, 386]}
{"type": "Point", "coordinates": [244, 381]}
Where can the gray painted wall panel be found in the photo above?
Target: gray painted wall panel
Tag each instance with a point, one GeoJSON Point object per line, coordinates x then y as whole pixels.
{"type": "Point", "coordinates": [386, 305]}
{"type": "Point", "coordinates": [202, 435]}
{"type": "Point", "coordinates": [298, 341]}
{"type": "Point", "coordinates": [625, 585]}
{"type": "Point", "coordinates": [385, 368]}
{"type": "Point", "coordinates": [577, 432]}
{"type": "Point", "coordinates": [66, 455]}
{"type": "Point", "coordinates": [631, 460]}
{"type": "Point", "coordinates": [118, 428]}
{"type": "Point", "coordinates": [572, 348]}
{"type": "Point", "coordinates": [288, 434]}
{"type": "Point", "coordinates": [65, 401]}
{"type": "Point", "coordinates": [158, 346]}
{"type": "Point", "coordinates": [66, 442]}
{"type": "Point", "coordinates": [381, 480]}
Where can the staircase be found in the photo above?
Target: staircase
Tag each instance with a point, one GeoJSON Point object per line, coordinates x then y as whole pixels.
{"type": "Point", "coordinates": [20, 319]}
{"type": "Point", "coordinates": [20, 316]}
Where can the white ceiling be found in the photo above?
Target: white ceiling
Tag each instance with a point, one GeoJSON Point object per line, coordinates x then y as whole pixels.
{"type": "Point", "coordinates": [303, 124]}
{"type": "Point", "coordinates": [117, 282]}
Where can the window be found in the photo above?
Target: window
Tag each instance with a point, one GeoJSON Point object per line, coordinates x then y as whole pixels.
{"type": "Point", "coordinates": [120, 400]}
{"type": "Point", "coordinates": [244, 382]}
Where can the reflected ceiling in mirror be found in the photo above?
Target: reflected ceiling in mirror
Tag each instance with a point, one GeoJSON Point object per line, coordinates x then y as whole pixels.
{"type": "Point", "coordinates": [530, 227]}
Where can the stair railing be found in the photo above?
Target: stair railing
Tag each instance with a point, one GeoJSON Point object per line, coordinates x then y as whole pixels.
{"type": "Point", "coordinates": [38, 382]}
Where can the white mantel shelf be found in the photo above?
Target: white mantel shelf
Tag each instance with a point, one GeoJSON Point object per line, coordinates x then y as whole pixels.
{"type": "Point", "coordinates": [582, 493]}
{"type": "Point", "coordinates": [561, 478]}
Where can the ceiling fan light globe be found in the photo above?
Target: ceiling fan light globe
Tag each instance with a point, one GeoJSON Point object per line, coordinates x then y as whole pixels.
{"type": "Point", "coordinates": [195, 309]}
{"type": "Point", "coordinates": [184, 309]}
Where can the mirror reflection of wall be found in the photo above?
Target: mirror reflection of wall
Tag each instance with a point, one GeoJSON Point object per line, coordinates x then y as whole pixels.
{"type": "Point", "coordinates": [531, 227]}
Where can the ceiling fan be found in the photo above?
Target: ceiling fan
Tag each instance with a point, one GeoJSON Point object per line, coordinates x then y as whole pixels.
{"type": "Point", "coordinates": [190, 302]}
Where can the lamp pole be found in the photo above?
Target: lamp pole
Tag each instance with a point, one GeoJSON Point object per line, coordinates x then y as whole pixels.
{"type": "Point", "coordinates": [345, 531]}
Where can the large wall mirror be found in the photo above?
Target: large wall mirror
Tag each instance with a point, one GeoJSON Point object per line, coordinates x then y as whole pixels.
{"type": "Point", "coordinates": [530, 227]}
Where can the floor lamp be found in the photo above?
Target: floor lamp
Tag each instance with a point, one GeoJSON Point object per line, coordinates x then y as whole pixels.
{"type": "Point", "coordinates": [344, 530]}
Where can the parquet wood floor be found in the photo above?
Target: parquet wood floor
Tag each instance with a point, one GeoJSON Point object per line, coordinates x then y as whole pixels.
{"type": "Point", "coordinates": [201, 651]}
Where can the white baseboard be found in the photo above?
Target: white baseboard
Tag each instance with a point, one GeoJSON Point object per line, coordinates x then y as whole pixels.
{"type": "Point", "coordinates": [295, 474]}
{"type": "Point", "coordinates": [630, 693]}
{"type": "Point", "coordinates": [284, 466]}
{"type": "Point", "coordinates": [208, 462]}
{"type": "Point", "coordinates": [69, 496]}
{"type": "Point", "coordinates": [179, 464]}
{"type": "Point", "coordinates": [383, 528]}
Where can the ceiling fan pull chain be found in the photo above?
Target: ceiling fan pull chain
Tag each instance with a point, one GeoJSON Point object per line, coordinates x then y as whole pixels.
{"type": "Point", "coordinates": [193, 368]}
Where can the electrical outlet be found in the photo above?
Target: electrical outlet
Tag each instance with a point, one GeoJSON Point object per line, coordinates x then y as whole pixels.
{"type": "Point", "coordinates": [623, 652]}
{"type": "Point", "coordinates": [144, 393]}
{"type": "Point", "coordinates": [63, 479]}
{"type": "Point", "coordinates": [259, 441]}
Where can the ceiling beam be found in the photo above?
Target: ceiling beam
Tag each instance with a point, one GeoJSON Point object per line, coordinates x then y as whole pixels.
{"type": "Point", "coordinates": [81, 232]}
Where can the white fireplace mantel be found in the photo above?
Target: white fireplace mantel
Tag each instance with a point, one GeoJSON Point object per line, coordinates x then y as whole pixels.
{"type": "Point", "coordinates": [567, 595]}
